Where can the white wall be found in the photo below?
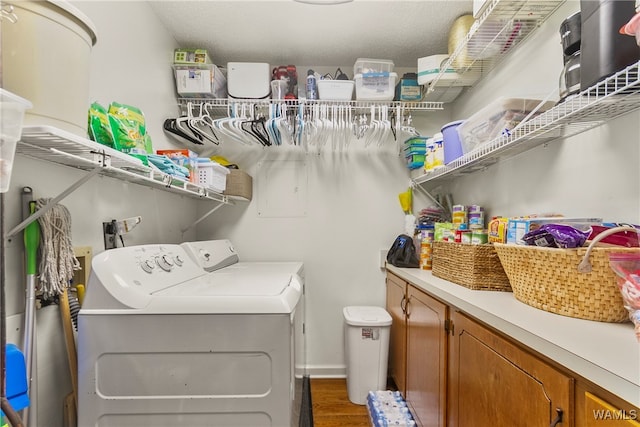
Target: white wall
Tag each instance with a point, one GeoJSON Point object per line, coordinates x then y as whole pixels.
{"type": "Point", "coordinates": [129, 64]}
{"type": "Point", "coordinates": [351, 210]}
{"type": "Point", "coordinates": [592, 174]}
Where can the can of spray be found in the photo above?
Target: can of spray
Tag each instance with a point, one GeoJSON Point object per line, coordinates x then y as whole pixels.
{"type": "Point", "coordinates": [312, 85]}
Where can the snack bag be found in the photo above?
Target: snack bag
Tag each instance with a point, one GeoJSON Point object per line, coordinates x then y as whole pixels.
{"type": "Point", "coordinates": [128, 128]}
{"type": "Point", "coordinates": [627, 266]}
{"type": "Point", "coordinates": [99, 129]}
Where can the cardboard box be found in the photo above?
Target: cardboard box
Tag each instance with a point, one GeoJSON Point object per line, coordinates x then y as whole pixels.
{"type": "Point", "coordinates": [239, 185]}
{"type": "Point", "coordinates": [191, 56]}
{"type": "Point", "coordinates": [518, 227]}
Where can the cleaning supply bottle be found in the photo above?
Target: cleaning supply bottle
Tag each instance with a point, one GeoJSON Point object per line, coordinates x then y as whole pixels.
{"type": "Point", "coordinates": [312, 85]}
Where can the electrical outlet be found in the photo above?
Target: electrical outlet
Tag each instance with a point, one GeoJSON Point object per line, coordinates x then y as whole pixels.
{"type": "Point", "coordinates": [383, 258]}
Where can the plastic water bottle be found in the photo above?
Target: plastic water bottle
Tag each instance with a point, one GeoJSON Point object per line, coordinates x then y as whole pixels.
{"type": "Point", "coordinates": [312, 85]}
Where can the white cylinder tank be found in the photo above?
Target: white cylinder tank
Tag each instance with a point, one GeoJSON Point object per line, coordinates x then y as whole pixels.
{"type": "Point", "coordinates": [46, 60]}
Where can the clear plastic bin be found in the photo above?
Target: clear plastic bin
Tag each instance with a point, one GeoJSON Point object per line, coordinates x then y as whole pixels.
{"type": "Point", "coordinates": [12, 109]}
{"type": "Point", "coordinates": [366, 66]}
{"type": "Point", "coordinates": [375, 87]}
{"type": "Point", "coordinates": [497, 118]}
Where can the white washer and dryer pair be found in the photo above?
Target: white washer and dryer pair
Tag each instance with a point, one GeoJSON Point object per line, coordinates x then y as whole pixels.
{"type": "Point", "coordinates": [187, 335]}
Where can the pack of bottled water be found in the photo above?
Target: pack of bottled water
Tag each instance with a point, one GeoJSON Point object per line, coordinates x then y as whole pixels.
{"type": "Point", "coordinates": [388, 408]}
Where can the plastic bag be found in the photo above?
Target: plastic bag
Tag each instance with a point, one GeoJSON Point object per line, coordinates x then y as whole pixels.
{"type": "Point", "coordinates": [627, 267]}
{"type": "Point", "coordinates": [128, 129]}
{"type": "Point", "coordinates": [99, 128]}
{"type": "Point", "coordinates": [557, 236]}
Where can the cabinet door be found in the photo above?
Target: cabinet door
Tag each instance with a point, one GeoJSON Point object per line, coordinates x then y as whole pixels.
{"type": "Point", "coordinates": [493, 382]}
{"type": "Point", "coordinates": [396, 300]}
{"type": "Point", "coordinates": [594, 411]}
{"type": "Point", "coordinates": [426, 358]}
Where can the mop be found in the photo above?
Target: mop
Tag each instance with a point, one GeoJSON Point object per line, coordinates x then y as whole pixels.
{"type": "Point", "coordinates": [52, 233]}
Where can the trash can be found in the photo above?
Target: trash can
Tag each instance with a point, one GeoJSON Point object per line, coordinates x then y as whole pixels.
{"type": "Point", "coordinates": [366, 333]}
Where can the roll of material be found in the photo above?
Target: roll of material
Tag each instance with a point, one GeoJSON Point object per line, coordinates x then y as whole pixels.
{"type": "Point", "coordinates": [457, 34]}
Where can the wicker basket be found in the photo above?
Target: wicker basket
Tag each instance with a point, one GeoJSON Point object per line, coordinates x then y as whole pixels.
{"type": "Point", "coordinates": [476, 267]}
{"type": "Point", "coordinates": [548, 279]}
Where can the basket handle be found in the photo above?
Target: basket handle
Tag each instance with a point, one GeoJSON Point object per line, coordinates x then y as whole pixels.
{"type": "Point", "coordinates": [585, 264]}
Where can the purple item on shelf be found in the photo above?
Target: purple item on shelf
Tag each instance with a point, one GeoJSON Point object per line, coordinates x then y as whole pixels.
{"type": "Point", "coordinates": [557, 236]}
{"type": "Point", "coordinates": [451, 141]}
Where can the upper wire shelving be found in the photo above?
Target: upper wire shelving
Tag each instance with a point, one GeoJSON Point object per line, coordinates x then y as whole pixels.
{"type": "Point", "coordinates": [617, 95]}
{"type": "Point", "coordinates": [502, 26]}
{"type": "Point", "coordinates": [59, 146]}
{"type": "Point", "coordinates": [222, 106]}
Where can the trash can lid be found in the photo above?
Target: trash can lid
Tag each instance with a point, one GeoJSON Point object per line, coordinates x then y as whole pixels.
{"type": "Point", "coordinates": [366, 316]}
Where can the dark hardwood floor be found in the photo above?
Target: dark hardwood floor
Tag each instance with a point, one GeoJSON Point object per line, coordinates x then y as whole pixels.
{"type": "Point", "coordinates": [332, 407]}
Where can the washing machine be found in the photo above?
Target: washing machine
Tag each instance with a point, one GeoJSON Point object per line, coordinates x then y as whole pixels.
{"type": "Point", "coordinates": [187, 335]}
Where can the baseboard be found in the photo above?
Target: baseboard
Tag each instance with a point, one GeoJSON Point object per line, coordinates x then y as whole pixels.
{"type": "Point", "coordinates": [327, 371]}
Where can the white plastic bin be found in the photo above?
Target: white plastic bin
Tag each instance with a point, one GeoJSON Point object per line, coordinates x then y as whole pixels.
{"type": "Point", "coordinates": [46, 59]}
{"type": "Point", "coordinates": [12, 110]}
{"type": "Point", "coordinates": [366, 333]}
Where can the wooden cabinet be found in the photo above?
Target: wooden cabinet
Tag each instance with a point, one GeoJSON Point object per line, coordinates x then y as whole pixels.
{"type": "Point", "coordinates": [395, 305]}
{"type": "Point", "coordinates": [599, 408]}
{"type": "Point", "coordinates": [493, 382]}
{"type": "Point", "coordinates": [426, 382]}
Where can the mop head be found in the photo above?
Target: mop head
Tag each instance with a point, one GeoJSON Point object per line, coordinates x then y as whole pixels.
{"type": "Point", "coordinates": [57, 259]}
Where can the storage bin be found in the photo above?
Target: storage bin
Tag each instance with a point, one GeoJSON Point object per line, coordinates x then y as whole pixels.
{"type": "Point", "coordinates": [501, 116]}
{"type": "Point", "coordinates": [375, 87]}
{"type": "Point", "coordinates": [451, 141]}
{"type": "Point", "coordinates": [548, 279]}
{"type": "Point", "coordinates": [239, 184]}
{"type": "Point", "coordinates": [12, 110]}
{"type": "Point", "coordinates": [335, 90]}
{"type": "Point", "coordinates": [46, 58]}
{"type": "Point", "coordinates": [366, 335]}
{"type": "Point", "coordinates": [200, 81]}
{"type": "Point", "coordinates": [212, 175]}
{"type": "Point", "coordinates": [248, 80]}
{"type": "Point", "coordinates": [476, 267]}
{"type": "Point", "coordinates": [372, 66]}
{"type": "Point", "coordinates": [16, 378]}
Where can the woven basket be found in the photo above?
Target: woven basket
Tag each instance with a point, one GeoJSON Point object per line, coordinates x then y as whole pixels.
{"type": "Point", "coordinates": [476, 267]}
{"type": "Point", "coordinates": [548, 279]}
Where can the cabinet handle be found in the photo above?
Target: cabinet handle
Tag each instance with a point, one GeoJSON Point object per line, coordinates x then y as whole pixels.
{"type": "Point", "coordinates": [403, 303]}
{"type": "Point", "coordinates": [558, 419]}
{"type": "Point", "coordinates": [406, 306]}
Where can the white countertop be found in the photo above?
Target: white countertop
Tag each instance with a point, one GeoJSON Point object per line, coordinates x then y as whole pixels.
{"type": "Point", "coordinates": [606, 354]}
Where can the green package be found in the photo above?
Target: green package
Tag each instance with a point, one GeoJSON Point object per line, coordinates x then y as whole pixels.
{"type": "Point", "coordinates": [99, 129]}
{"type": "Point", "coordinates": [443, 231]}
{"type": "Point", "coordinates": [128, 128]}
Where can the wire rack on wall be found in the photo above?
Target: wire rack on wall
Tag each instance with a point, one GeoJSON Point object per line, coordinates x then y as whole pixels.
{"type": "Point", "coordinates": [222, 106]}
{"type": "Point", "coordinates": [502, 26]}
{"type": "Point", "coordinates": [610, 98]}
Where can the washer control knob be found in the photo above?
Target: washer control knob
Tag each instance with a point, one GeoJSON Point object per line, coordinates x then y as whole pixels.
{"type": "Point", "coordinates": [164, 262]}
{"type": "Point", "coordinates": [178, 260]}
{"type": "Point", "coordinates": [147, 265]}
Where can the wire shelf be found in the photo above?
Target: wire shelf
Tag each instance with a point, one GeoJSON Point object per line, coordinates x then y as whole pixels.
{"type": "Point", "coordinates": [222, 106]}
{"type": "Point", "coordinates": [58, 146]}
{"type": "Point", "coordinates": [501, 27]}
{"type": "Point", "coordinates": [610, 98]}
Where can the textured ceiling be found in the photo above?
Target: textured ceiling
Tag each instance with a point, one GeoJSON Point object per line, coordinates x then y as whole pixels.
{"type": "Point", "coordinates": [287, 32]}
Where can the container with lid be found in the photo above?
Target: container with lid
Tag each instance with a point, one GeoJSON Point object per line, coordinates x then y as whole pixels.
{"type": "Point", "coordinates": [12, 111]}
{"type": "Point", "coordinates": [367, 66]}
{"type": "Point", "coordinates": [46, 59]}
{"type": "Point", "coordinates": [366, 339]}
{"type": "Point", "coordinates": [451, 141]}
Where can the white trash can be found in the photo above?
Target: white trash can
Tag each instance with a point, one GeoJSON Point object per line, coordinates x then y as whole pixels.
{"type": "Point", "coordinates": [366, 334]}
